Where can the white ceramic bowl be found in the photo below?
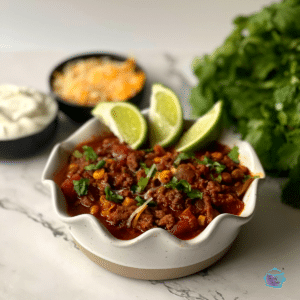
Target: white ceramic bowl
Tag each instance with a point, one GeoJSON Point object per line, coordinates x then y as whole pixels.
{"type": "Point", "coordinates": [156, 254]}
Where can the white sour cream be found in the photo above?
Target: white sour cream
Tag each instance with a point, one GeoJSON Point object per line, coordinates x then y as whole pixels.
{"type": "Point", "coordinates": [24, 111]}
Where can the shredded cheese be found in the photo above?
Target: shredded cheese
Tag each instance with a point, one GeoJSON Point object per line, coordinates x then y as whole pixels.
{"type": "Point", "coordinates": [93, 80]}
{"type": "Point", "coordinates": [134, 222]}
{"type": "Point", "coordinates": [139, 209]}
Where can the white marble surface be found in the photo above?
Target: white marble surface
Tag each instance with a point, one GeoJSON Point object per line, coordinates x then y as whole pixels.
{"type": "Point", "coordinates": [38, 259]}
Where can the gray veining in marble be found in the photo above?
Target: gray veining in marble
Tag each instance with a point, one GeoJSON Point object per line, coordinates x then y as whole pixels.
{"type": "Point", "coordinates": [39, 218]}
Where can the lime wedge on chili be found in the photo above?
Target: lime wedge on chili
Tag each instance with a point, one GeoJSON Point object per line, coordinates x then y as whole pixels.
{"type": "Point", "coordinates": [124, 120]}
{"type": "Point", "coordinates": [204, 130]}
{"type": "Point", "coordinates": [165, 116]}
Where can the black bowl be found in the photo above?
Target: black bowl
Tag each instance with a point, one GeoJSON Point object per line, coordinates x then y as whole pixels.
{"type": "Point", "coordinates": [30, 144]}
{"type": "Point", "coordinates": [81, 113]}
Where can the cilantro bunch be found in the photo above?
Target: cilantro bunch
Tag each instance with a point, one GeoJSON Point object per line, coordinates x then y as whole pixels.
{"type": "Point", "coordinates": [257, 74]}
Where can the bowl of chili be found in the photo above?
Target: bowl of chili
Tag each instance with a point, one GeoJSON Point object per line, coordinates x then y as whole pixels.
{"type": "Point", "coordinates": [200, 201]}
{"type": "Point", "coordinates": [81, 81]}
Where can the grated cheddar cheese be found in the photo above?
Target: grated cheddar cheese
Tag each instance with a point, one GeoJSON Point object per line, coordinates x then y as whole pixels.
{"type": "Point", "coordinates": [87, 82]}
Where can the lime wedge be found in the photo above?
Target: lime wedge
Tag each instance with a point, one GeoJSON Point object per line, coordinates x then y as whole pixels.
{"type": "Point", "coordinates": [124, 120]}
{"type": "Point", "coordinates": [165, 116]}
{"type": "Point", "coordinates": [203, 131]}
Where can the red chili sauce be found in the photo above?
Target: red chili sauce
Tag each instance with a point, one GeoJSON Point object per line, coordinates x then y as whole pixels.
{"type": "Point", "coordinates": [109, 180]}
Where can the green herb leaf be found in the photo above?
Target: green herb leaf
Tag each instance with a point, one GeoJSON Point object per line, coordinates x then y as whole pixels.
{"type": "Point", "coordinates": [234, 154]}
{"type": "Point", "coordinates": [183, 185]}
{"type": "Point", "coordinates": [81, 186]}
{"type": "Point", "coordinates": [218, 167]}
{"type": "Point", "coordinates": [144, 166]}
{"type": "Point", "coordinates": [89, 153]}
{"type": "Point", "coordinates": [77, 154]}
{"type": "Point", "coordinates": [212, 164]}
{"type": "Point", "coordinates": [148, 150]}
{"type": "Point", "coordinates": [142, 183]}
{"type": "Point", "coordinates": [141, 201]}
{"type": "Point", "coordinates": [100, 164]}
{"type": "Point", "coordinates": [246, 177]}
{"type": "Point", "coordinates": [134, 188]}
{"type": "Point", "coordinates": [182, 156]}
{"type": "Point", "coordinates": [256, 72]}
{"type": "Point", "coordinates": [194, 194]}
{"type": "Point", "coordinates": [206, 161]}
{"type": "Point", "coordinates": [111, 196]}
{"type": "Point", "coordinates": [218, 178]}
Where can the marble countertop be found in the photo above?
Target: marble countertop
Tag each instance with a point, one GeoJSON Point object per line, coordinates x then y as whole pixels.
{"type": "Point", "coordinates": [39, 260]}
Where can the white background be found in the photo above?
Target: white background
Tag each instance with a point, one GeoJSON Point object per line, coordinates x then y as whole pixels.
{"type": "Point", "coordinates": [119, 25]}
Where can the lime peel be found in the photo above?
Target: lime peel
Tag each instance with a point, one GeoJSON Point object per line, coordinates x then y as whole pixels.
{"type": "Point", "coordinates": [204, 130]}
{"type": "Point", "coordinates": [165, 116]}
{"type": "Point", "coordinates": [124, 120]}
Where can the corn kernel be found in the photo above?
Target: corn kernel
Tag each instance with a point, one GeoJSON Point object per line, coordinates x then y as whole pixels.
{"type": "Point", "coordinates": [94, 209]}
{"type": "Point", "coordinates": [107, 211]}
{"type": "Point", "coordinates": [201, 220]}
{"type": "Point", "coordinates": [156, 176]}
{"type": "Point", "coordinates": [103, 199]}
{"type": "Point", "coordinates": [157, 160]}
{"type": "Point", "coordinates": [128, 201]}
{"type": "Point", "coordinates": [98, 174]}
{"type": "Point", "coordinates": [73, 167]}
{"type": "Point", "coordinates": [165, 176]}
{"type": "Point", "coordinates": [217, 155]}
{"type": "Point", "coordinates": [173, 170]}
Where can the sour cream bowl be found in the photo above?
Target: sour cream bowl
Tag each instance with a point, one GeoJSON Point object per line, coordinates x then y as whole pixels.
{"type": "Point", "coordinates": [28, 120]}
{"type": "Point", "coordinates": [156, 254]}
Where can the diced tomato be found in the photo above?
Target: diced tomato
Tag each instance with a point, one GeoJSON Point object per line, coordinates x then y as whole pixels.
{"type": "Point", "coordinates": [67, 187]}
{"type": "Point", "coordinates": [187, 222]}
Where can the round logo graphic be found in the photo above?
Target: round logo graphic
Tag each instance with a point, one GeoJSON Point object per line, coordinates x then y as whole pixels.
{"type": "Point", "coordinates": [274, 278]}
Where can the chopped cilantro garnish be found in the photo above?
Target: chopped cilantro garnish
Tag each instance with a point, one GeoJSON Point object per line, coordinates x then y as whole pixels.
{"type": "Point", "coordinates": [77, 154]}
{"type": "Point", "coordinates": [193, 194]}
{"type": "Point", "coordinates": [134, 188]}
{"type": "Point", "coordinates": [81, 186]}
{"type": "Point", "coordinates": [89, 153]}
{"type": "Point", "coordinates": [218, 178]}
{"type": "Point", "coordinates": [141, 201]}
{"type": "Point", "coordinates": [111, 196]}
{"type": "Point", "coordinates": [182, 156]}
{"type": "Point", "coordinates": [142, 183]}
{"type": "Point", "coordinates": [219, 168]}
{"type": "Point", "coordinates": [148, 150]}
{"type": "Point", "coordinates": [234, 154]}
{"type": "Point", "coordinates": [206, 161]}
{"type": "Point", "coordinates": [183, 185]}
{"type": "Point", "coordinates": [246, 177]}
{"type": "Point", "coordinates": [97, 166]}
{"type": "Point", "coordinates": [144, 166]}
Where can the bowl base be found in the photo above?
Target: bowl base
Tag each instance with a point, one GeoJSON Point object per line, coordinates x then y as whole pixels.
{"type": "Point", "coordinates": [151, 274]}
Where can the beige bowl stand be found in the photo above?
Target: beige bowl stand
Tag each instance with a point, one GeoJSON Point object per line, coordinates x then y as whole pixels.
{"type": "Point", "coordinates": [151, 274]}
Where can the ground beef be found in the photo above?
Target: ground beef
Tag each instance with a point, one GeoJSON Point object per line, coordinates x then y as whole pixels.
{"type": "Point", "coordinates": [185, 196]}
{"type": "Point", "coordinates": [186, 172]}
